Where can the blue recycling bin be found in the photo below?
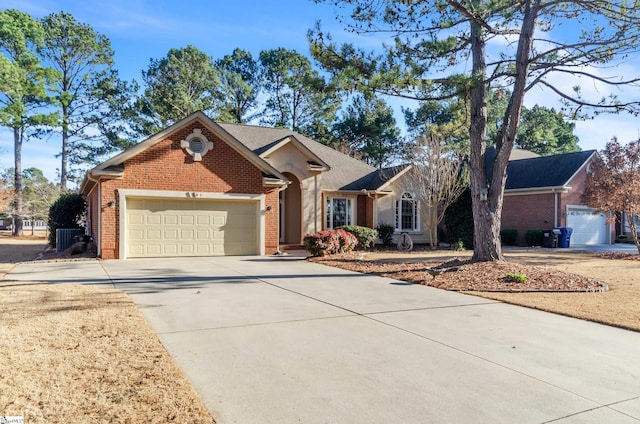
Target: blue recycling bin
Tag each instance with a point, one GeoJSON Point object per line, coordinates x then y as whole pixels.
{"type": "Point", "coordinates": [564, 240]}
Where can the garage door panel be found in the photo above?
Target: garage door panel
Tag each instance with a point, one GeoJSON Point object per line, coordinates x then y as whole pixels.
{"type": "Point", "coordinates": [203, 249]}
{"type": "Point", "coordinates": [154, 219]}
{"type": "Point", "coordinates": [203, 220]}
{"type": "Point", "coordinates": [136, 219]}
{"type": "Point", "coordinates": [136, 235]}
{"type": "Point", "coordinates": [153, 248]}
{"type": "Point", "coordinates": [136, 250]}
{"type": "Point", "coordinates": [154, 234]}
{"type": "Point", "coordinates": [171, 249]}
{"type": "Point", "coordinates": [187, 249]}
{"type": "Point", "coordinates": [186, 220]}
{"type": "Point", "coordinates": [203, 234]}
{"type": "Point", "coordinates": [187, 235]}
{"type": "Point", "coordinates": [175, 227]}
{"type": "Point", "coordinates": [589, 226]}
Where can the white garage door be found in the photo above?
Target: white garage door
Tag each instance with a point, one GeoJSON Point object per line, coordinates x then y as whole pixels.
{"type": "Point", "coordinates": [589, 226]}
{"type": "Point", "coordinates": [176, 227]}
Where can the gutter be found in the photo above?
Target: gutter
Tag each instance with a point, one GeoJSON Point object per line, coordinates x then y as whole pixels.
{"type": "Point", "coordinates": [537, 190]}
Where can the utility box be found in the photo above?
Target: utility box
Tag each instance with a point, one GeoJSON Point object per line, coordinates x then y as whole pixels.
{"type": "Point", "coordinates": [65, 237]}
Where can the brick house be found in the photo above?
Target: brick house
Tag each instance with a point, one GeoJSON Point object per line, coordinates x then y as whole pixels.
{"type": "Point", "coordinates": [543, 192]}
{"type": "Point", "coordinates": [201, 188]}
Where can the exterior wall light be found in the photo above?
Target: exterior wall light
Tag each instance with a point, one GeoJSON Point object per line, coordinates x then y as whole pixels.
{"type": "Point", "coordinates": [484, 191]}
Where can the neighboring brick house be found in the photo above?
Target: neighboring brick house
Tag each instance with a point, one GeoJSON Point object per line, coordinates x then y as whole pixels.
{"type": "Point", "coordinates": [545, 192]}
{"type": "Point", "coordinates": [201, 188]}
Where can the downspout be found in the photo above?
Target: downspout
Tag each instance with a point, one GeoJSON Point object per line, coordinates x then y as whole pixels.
{"type": "Point", "coordinates": [99, 229]}
{"type": "Point", "coordinates": [555, 209]}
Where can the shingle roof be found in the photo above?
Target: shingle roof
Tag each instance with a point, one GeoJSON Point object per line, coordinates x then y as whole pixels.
{"type": "Point", "coordinates": [541, 171]}
{"type": "Point", "coordinates": [545, 171]}
{"type": "Point", "coordinates": [346, 173]}
{"type": "Point", "coordinates": [375, 179]}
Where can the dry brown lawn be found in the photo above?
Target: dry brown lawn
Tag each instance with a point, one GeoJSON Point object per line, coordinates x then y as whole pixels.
{"type": "Point", "coordinates": [74, 353]}
{"type": "Point", "coordinates": [618, 306]}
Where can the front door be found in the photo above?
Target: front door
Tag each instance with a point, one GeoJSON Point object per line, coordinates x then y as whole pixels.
{"type": "Point", "coordinates": [291, 212]}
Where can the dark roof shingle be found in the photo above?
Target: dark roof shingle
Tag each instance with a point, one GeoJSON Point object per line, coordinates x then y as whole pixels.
{"type": "Point", "coordinates": [545, 171]}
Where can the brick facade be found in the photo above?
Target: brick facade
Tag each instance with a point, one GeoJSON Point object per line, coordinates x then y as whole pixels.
{"type": "Point", "coordinates": [526, 212]}
{"type": "Point", "coordinates": [538, 211]}
{"type": "Point", "coordinates": [166, 166]}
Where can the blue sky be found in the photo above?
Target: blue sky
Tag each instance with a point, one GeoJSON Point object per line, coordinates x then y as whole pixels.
{"type": "Point", "coordinates": [143, 29]}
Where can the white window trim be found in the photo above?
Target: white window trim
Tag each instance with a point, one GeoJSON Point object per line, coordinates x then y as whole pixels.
{"type": "Point", "coordinates": [328, 215]}
{"type": "Point", "coordinates": [416, 214]}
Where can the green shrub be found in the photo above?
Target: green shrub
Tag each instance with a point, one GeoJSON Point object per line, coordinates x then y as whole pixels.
{"type": "Point", "coordinates": [458, 245]}
{"type": "Point", "coordinates": [329, 242]}
{"type": "Point", "coordinates": [66, 212]}
{"type": "Point", "coordinates": [508, 236]}
{"type": "Point", "coordinates": [534, 237]}
{"type": "Point", "coordinates": [366, 236]}
{"type": "Point", "coordinates": [513, 277]}
{"type": "Point", "coordinates": [385, 233]}
{"type": "Point", "coordinates": [458, 220]}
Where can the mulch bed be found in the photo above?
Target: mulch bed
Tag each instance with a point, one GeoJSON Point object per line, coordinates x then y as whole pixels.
{"type": "Point", "coordinates": [464, 275]}
{"type": "Point", "coordinates": [620, 255]}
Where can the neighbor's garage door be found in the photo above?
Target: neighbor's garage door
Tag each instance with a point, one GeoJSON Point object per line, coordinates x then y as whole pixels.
{"type": "Point", "coordinates": [170, 227]}
{"type": "Point", "coordinates": [589, 226]}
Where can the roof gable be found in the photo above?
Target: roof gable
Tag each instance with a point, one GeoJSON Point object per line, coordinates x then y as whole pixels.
{"type": "Point", "coordinates": [200, 117]}
{"type": "Point", "coordinates": [343, 170]}
{"type": "Point", "coordinates": [311, 157]}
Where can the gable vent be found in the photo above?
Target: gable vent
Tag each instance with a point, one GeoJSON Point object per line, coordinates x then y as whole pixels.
{"type": "Point", "coordinates": [196, 144]}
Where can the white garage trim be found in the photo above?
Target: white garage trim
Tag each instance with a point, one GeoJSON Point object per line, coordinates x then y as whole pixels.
{"type": "Point", "coordinates": [186, 195]}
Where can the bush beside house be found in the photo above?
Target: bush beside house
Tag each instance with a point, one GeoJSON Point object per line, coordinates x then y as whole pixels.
{"type": "Point", "coordinates": [385, 233]}
{"type": "Point", "coordinates": [329, 242]}
{"type": "Point", "coordinates": [366, 236]}
{"type": "Point", "coordinates": [509, 236]}
{"type": "Point", "coordinates": [534, 237]}
{"type": "Point", "coordinates": [66, 212]}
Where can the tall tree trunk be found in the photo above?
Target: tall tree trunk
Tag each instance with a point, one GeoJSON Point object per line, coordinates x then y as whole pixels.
{"type": "Point", "coordinates": [17, 185]}
{"type": "Point", "coordinates": [65, 149]}
{"type": "Point", "coordinates": [487, 214]}
{"type": "Point", "coordinates": [486, 222]}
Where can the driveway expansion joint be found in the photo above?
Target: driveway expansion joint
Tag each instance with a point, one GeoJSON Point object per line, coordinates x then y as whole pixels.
{"type": "Point", "coordinates": [257, 324]}
{"type": "Point", "coordinates": [427, 308]}
{"type": "Point", "coordinates": [606, 406]}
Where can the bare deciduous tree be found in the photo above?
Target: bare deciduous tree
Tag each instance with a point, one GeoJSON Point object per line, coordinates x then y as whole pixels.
{"type": "Point", "coordinates": [437, 178]}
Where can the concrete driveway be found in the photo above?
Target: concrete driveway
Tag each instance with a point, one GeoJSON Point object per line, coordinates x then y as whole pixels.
{"type": "Point", "coordinates": [281, 340]}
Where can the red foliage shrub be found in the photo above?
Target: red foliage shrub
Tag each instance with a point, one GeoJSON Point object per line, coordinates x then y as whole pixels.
{"type": "Point", "coordinates": [329, 242]}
